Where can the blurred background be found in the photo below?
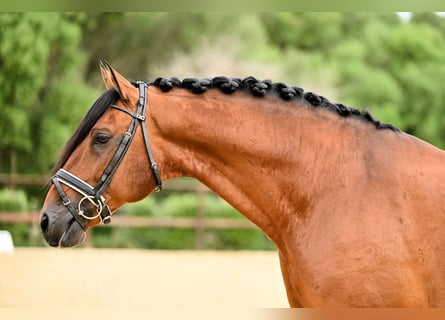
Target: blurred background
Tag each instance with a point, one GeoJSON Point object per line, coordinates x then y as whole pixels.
{"type": "Point", "coordinates": [392, 64]}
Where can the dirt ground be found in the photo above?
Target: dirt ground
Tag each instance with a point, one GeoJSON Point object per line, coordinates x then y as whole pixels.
{"type": "Point", "coordinates": [98, 278]}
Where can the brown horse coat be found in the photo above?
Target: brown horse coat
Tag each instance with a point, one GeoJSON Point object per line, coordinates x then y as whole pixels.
{"type": "Point", "coordinates": [356, 210]}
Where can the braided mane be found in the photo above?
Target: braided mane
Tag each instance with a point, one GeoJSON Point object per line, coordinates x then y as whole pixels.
{"type": "Point", "coordinates": [261, 88]}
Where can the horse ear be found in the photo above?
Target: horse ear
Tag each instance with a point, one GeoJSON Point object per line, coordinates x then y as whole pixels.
{"type": "Point", "coordinates": [114, 79]}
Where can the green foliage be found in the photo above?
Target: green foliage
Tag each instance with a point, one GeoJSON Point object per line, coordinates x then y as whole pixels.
{"type": "Point", "coordinates": [397, 71]}
{"type": "Point", "coordinates": [66, 102]}
{"type": "Point", "coordinates": [297, 30]}
{"type": "Point", "coordinates": [153, 238]}
{"type": "Point", "coordinates": [174, 239]}
{"type": "Point", "coordinates": [181, 205]}
{"type": "Point", "coordinates": [424, 103]}
{"type": "Point", "coordinates": [355, 24]}
{"type": "Point", "coordinates": [415, 44]}
{"type": "Point", "coordinates": [38, 51]}
{"type": "Point", "coordinates": [237, 239]}
{"type": "Point", "coordinates": [216, 207]}
{"type": "Point", "coordinates": [355, 87]}
{"type": "Point", "coordinates": [15, 201]}
{"type": "Point", "coordinates": [147, 207]}
{"type": "Point", "coordinates": [429, 18]}
{"type": "Point", "coordinates": [50, 78]}
{"type": "Point", "coordinates": [366, 59]}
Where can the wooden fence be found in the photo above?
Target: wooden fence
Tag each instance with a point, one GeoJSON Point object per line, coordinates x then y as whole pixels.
{"type": "Point", "coordinates": [199, 222]}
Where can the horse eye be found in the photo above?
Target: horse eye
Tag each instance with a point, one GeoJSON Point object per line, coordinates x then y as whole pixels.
{"type": "Point", "coordinates": [101, 138]}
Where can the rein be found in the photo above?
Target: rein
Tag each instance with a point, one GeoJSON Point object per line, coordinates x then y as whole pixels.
{"type": "Point", "coordinates": [94, 195]}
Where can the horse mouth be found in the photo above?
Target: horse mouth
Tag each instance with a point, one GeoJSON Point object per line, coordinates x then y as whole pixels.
{"type": "Point", "coordinates": [62, 235]}
{"type": "Point", "coordinates": [72, 236]}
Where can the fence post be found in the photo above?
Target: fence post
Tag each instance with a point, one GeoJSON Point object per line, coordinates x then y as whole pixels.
{"type": "Point", "coordinates": [199, 221]}
{"type": "Point", "coordinates": [89, 239]}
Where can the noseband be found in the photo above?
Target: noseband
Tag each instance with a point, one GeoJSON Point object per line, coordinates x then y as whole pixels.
{"type": "Point", "coordinates": [94, 195]}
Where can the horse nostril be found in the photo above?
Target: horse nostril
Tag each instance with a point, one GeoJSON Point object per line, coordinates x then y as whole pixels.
{"type": "Point", "coordinates": [44, 222]}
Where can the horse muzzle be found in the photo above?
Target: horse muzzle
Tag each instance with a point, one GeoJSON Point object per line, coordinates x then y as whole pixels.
{"type": "Point", "coordinates": [60, 229]}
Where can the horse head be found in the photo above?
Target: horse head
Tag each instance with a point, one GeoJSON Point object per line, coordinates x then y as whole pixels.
{"type": "Point", "coordinates": [101, 167]}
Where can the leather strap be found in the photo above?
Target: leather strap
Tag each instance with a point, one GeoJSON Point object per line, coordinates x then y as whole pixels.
{"type": "Point", "coordinates": [96, 193]}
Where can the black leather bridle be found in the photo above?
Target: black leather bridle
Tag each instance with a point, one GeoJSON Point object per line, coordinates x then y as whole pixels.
{"type": "Point", "coordinates": [94, 195]}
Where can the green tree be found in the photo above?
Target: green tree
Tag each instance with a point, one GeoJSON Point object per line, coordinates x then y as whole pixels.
{"type": "Point", "coordinates": [133, 41]}
{"type": "Point", "coordinates": [38, 52]}
{"type": "Point", "coordinates": [396, 69]}
{"type": "Point", "coordinates": [429, 18]}
{"type": "Point", "coordinates": [306, 31]}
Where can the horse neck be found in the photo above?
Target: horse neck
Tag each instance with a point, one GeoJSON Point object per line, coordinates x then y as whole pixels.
{"type": "Point", "coordinates": [264, 156]}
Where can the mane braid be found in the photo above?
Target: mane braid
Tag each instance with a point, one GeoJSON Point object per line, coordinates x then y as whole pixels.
{"type": "Point", "coordinates": [262, 88]}
{"type": "Point", "coordinates": [96, 111]}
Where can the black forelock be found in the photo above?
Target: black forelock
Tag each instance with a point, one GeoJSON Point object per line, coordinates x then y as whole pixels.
{"type": "Point", "coordinates": [96, 111]}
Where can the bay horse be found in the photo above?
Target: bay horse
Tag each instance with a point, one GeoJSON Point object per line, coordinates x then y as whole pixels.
{"type": "Point", "coordinates": [354, 206]}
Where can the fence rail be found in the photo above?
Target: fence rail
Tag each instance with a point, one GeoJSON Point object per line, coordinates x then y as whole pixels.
{"type": "Point", "coordinates": [199, 222]}
{"type": "Point", "coordinates": [23, 179]}
{"type": "Point", "coordinates": [144, 222]}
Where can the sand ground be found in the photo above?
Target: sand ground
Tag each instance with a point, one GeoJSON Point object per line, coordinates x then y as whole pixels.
{"type": "Point", "coordinates": [101, 278]}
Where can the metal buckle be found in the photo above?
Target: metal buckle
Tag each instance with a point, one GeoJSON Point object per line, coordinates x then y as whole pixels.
{"type": "Point", "coordinates": [157, 174]}
{"type": "Point", "coordinates": [106, 218]}
{"type": "Point", "coordinates": [128, 134]}
{"type": "Point", "coordinates": [139, 117]}
{"type": "Point", "coordinates": [91, 199]}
